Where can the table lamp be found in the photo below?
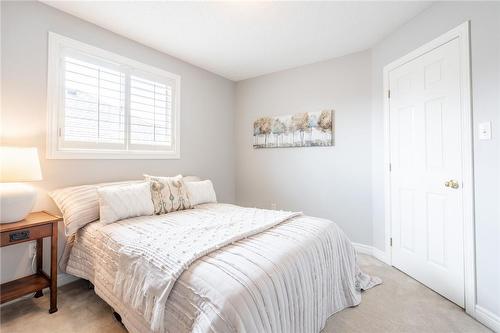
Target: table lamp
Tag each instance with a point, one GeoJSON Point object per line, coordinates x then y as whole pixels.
{"type": "Point", "coordinates": [17, 164]}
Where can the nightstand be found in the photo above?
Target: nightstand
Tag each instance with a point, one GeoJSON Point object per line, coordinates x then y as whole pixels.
{"type": "Point", "coordinates": [36, 226]}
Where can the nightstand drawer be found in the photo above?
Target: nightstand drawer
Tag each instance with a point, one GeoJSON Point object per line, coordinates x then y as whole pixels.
{"type": "Point", "coordinates": [27, 234]}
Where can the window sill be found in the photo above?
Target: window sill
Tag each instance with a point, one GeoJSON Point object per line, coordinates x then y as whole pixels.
{"type": "Point", "coordinates": [112, 155]}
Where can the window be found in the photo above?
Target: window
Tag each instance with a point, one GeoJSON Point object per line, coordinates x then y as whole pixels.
{"type": "Point", "coordinates": [102, 105]}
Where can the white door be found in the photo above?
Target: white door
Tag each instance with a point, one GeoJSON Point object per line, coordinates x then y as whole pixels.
{"type": "Point", "coordinates": [426, 172]}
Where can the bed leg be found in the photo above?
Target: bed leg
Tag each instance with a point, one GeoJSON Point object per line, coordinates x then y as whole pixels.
{"type": "Point", "coordinates": [117, 316]}
{"type": "Point", "coordinates": [90, 285]}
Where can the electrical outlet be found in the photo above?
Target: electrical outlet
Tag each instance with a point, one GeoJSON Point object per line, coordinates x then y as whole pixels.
{"type": "Point", "coordinates": [273, 206]}
{"type": "Point", "coordinates": [32, 250]}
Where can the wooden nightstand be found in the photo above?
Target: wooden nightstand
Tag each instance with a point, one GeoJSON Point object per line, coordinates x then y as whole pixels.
{"type": "Point", "coordinates": [35, 226]}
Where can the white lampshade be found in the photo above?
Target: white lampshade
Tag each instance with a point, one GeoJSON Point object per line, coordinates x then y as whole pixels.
{"type": "Point", "coordinates": [19, 164]}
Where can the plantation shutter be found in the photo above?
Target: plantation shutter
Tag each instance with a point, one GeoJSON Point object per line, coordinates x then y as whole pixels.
{"type": "Point", "coordinates": [94, 104]}
{"type": "Point", "coordinates": [150, 113]}
{"type": "Point", "coordinates": [102, 105]}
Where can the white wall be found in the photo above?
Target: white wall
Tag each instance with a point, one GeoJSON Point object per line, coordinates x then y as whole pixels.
{"type": "Point", "coordinates": [207, 103]}
{"type": "Point", "coordinates": [485, 40]}
{"type": "Point", "coordinates": [330, 182]}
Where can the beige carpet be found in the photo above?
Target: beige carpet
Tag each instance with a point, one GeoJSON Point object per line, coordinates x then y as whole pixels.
{"type": "Point", "coordinates": [399, 305]}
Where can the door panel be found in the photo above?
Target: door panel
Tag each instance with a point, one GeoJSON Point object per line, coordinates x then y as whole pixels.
{"type": "Point", "coordinates": [407, 203]}
{"type": "Point", "coordinates": [434, 134]}
{"type": "Point", "coordinates": [425, 141]}
{"type": "Point", "coordinates": [436, 249]}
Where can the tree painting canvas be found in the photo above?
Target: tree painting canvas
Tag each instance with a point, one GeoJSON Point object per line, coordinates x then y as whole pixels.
{"type": "Point", "coordinates": [307, 129]}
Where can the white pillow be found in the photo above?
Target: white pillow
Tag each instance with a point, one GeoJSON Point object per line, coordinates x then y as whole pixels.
{"type": "Point", "coordinates": [201, 192]}
{"type": "Point", "coordinates": [79, 205]}
{"type": "Point", "coordinates": [124, 201]}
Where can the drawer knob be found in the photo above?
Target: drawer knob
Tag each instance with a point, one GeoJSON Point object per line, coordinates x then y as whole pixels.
{"type": "Point", "coordinates": [19, 235]}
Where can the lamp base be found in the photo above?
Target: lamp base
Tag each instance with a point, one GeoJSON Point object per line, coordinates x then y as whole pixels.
{"type": "Point", "coordinates": [16, 201]}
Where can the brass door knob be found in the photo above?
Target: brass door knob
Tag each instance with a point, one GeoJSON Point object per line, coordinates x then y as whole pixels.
{"type": "Point", "coordinates": [451, 183]}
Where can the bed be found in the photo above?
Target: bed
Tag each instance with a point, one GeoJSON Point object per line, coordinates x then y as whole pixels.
{"type": "Point", "coordinates": [286, 277]}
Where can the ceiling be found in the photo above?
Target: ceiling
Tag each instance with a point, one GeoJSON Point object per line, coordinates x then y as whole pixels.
{"type": "Point", "coordinates": [240, 40]}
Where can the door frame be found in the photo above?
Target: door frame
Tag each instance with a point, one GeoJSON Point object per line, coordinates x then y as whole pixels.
{"type": "Point", "coordinates": [462, 33]}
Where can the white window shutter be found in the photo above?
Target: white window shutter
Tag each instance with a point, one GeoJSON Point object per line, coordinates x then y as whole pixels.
{"type": "Point", "coordinates": [94, 99]}
{"type": "Point", "coordinates": [150, 113]}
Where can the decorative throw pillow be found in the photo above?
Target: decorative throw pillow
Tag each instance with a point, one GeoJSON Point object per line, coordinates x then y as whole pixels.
{"type": "Point", "coordinates": [169, 194]}
{"type": "Point", "coordinates": [201, 192]}
{"type": "Point", "coordinates": [79, 205]}
{"type": "Point", "coordinates": [124, 201]}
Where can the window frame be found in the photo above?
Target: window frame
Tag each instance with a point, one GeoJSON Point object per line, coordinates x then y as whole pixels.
{"type": "Point", "coordinates": [57, 44]}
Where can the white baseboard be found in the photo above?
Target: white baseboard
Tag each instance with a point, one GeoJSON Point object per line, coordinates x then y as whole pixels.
{"type": "Point", "coordinates": [488, 318]}
{"type": "Point", "coordinates": [362, 248]}
{"type": "Point", "coordinates": [372, 251]}
{"type": "Point", "coordinates": [62, 279]}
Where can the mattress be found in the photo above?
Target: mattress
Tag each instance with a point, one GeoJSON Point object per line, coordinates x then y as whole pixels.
{"type": "Point", "coordinates": [289, 278]}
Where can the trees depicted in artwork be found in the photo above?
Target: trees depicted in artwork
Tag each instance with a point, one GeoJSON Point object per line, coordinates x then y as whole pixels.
{"type": "Point", "coordinates": [301, 124]}
{"type": "Point", "coordinates": [325, 123]}
{"type": "Point", "coordinates": [280, 131]}
{"type": "Point", "coordinates": [290, 126]}
{"type": "Point", "coordinates": [265, 127]}
{"type": "Point", "coordinates": [256, 132]}
{"type": "Point", "coordinates": [313, 123]}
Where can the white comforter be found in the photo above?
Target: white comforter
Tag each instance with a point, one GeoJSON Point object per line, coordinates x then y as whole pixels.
{"type": "Point", "coordinates": [289, 278]}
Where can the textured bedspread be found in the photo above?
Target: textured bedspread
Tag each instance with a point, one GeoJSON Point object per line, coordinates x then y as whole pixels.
{"type": "Point", "coordinates": [289, 278]}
